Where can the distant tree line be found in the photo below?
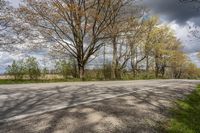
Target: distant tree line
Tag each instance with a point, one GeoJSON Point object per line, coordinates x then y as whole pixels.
{"type": "Point", "coordinates": [30, 69]}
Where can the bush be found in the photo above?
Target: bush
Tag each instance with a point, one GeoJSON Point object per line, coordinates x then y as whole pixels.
{"type": "Point", "coordinates": [32, 68]}
{"type": "Point", "coordinates": [17, 70]}
{"type": "Point", "coordinates": [107, 71]}
{"type": "Point", "coordinates": [64, 68]}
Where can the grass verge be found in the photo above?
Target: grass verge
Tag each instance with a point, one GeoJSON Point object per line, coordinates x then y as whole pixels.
{"type": "Point", "coordinates": [186, 117]}
{"type": "Point", "coordinates": [9, 81]}
{"type": "Point", "coordinates": [12, 81]}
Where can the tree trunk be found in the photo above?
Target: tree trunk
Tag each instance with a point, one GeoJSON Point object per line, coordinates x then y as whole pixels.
{"type": "Point", "coordinates": [163, 71]}
{"type": "Point", "coordinates": [134, 69]}
{"type": "Point", "coordinates": [81, 72]}
{"type": "Point", "coordinates": [147, 64]}
{"type": "Point", "coordinates": [114, 61]}
{"type": "Point", "coordinates": [156, 67]}
{"type": "Point", "coordinates": [156, 72]}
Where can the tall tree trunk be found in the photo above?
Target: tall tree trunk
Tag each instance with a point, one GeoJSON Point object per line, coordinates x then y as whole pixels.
{"type": "Point", "coordinates": [134, 69]}
{"type": "Point", "coordinates": [147, 64]}
{"type": "Point", "coordinates": [81, 72]}
{"type": "Point", "coordinates": [114, 61]}
{"type": "Point", "coordinates": [163, 71]}
{"type": "Point", "coordinates": [156, 67]}
{"type": "Point", "coordinates": [104, 61]}
{"type": "Point", "coordinates": [134, 63]}
{"type": "Point", "coordinates": [179, 74]}
{"type": "Point", "coordinates": [156, 71]}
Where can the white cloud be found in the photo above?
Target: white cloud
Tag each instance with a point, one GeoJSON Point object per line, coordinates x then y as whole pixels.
{"type": "Point", "coordinates": [191, 45]}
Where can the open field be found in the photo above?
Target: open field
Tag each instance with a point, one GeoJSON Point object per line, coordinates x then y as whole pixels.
{"type": "Point", "coordinates": [120, 106]}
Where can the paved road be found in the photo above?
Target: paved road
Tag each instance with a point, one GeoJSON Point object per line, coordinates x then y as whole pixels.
{"type": "Point", "coordinates": [92, 107]}
{"type": "Point", "coordinates": [20, 101]}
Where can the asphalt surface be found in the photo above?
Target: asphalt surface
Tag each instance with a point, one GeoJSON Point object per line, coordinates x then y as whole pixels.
{"type": "Point", "coordinates": [113, 106]}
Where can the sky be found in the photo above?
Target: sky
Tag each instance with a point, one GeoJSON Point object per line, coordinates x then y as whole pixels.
{"type": "Point", "coordinates": [179, 16]}
{"type": "Point", "coordinates": [172, 12]}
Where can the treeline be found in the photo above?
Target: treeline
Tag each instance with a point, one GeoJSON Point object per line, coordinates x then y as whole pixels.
{"type": "Point", "coordinates": [139, 45]}
{"type": "Point", "coordinates": [30, 69]}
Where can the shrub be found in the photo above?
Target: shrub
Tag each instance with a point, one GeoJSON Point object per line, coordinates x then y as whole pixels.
{"type": "Point", "coordinates": [32, 68]}
{"type": "Point", "coordinates": [64, 68]}
{"type": "Point", "coordinates": [107, 71]}
{"type": "Point", "coordinates": [17, 70]}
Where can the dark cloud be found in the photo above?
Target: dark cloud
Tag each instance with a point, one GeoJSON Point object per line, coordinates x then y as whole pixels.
{"type": "Point", "coordinates": [174, 10]}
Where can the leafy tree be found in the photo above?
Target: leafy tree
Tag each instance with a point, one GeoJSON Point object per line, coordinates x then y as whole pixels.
{"type": "Point", "coordinates": [17, 70]}
{"type": "Point", "coordinates": [44, 71]}
{"type": "Point", "coordinates": [191, 71]}
{"type": "Point", "coordinates": [64, 68]}
{"type": "Point", "coordinates": [32, 68]}
{"type": "Point", "coordinates": [107, 71]}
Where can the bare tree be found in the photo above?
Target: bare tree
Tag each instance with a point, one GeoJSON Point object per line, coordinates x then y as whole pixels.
{"type": "Point", "coordinates": [10, 27]}
{"type": "Point", "coordinates": [77, 27]}
{"type": "Point", "coordinates": [118, 30]}
{"type": "Point", "coordinates": [5, 20]}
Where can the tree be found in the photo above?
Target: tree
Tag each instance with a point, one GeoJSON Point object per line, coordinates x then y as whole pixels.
{"type": "Point", "coordinates": [177, 64]}
{"type": "Point", "coordinates": [123, 26]}
{"type": "Point", "coordinates": [64, 68]}
{"type": "Point", "coordinates": [5, 20]}
{"type": "Point", "coordinates": [148, 44]}
{"type": "Point", "coordinates": [191, 71]}
{"type": "Point", "coordinates": [134, 39]}
{"type": "Point", "coordinates": [107, 71]}
{"type": "Point", "coordinates": [10, 27]}
{"type": "Point", "coordinates": [76, 26]}
{"type": "Point", "coordinates": [162, 41]}
{"type": "Point", "coordinates": [161, 45]}
{"type": "Point", "coordinates": [32, 68]}
{"type": "Point", "coordinates": [17, 70]}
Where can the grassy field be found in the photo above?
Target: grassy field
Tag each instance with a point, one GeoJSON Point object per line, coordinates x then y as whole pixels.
{"type": "Point", "coordinates": [186, 117]}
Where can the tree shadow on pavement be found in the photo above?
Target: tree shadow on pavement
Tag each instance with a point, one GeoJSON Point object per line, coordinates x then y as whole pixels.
{"type": "Point", "coordinates": [28, 102]}
{"type": "Point", "coordinates": [138, 112]}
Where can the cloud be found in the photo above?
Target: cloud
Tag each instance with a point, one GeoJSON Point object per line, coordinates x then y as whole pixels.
{"type": "Point", "coordinates": [15, 3]}
{"type": "Point", "coordinates": [178, 15]}
{"type": "Point", "coordinates": [191, 44]}
{"type": "Point", "coordinates": [174, 10]}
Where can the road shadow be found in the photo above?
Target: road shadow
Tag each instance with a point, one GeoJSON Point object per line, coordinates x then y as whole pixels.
{"type": "Point", "coordinates": [14, 103]}
{"type": "Point", "coordinates": [138, 112]}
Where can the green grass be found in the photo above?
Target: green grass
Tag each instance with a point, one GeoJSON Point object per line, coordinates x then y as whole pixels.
{"type": "Point", "coordinates": [186, 116]}
{"type": "Point", "coordinates": [10, 81]}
